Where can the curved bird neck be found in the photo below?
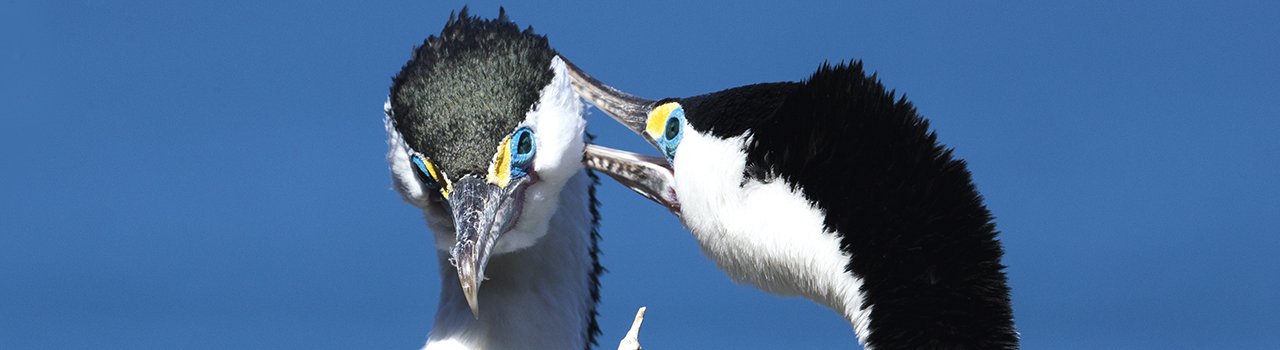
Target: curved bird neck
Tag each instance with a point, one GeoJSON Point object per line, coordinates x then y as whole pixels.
{"type": "Point", "coordinates": [841, 194]}
{"type": "Point", "coordinates": [541, 297]}
{"type": "Point", "coordinates": [763, 233]}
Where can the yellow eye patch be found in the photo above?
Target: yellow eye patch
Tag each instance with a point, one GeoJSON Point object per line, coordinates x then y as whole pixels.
{"type": "Point", "coordinates": [446, 186]}
{"type": "Point", "coordinates": [658, 119]}
{"type": "Point", "coordinates": [500, 168]}
{"type": "Point", "coordinates": [437, 177]}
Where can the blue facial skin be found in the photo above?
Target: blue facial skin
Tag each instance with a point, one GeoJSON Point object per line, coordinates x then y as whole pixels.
{"type": "Point", "coordinates": [424, 174]}
{"type": "Point", "coordinates": [523, 146]}
{"type": "Point", "coordinates": [672, 134]}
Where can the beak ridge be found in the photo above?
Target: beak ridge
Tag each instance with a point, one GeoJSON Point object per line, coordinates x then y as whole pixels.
{"type": "Point", "coordinates": [627, 109]}
{"type": "Point", "coordinates": [482, 212]}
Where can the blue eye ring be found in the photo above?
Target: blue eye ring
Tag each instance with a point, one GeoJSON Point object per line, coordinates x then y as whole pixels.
{"type": "Point", "coordinates": [424, 174]}
{"type": "Point", "coordinates": [673, 133]}
{"type": "Point", "coordinates": [523, 148]}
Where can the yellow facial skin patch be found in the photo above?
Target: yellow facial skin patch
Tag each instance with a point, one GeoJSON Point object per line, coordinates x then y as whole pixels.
{"type": "Point", "coordinates": [445, 186]}
{"type": "Point", "coordinates": [500, 168]}
{"type": "Point", "coordinates": [658, 119]}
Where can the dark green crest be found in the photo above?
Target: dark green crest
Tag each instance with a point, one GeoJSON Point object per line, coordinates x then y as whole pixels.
{"type": "Point", "coordinates": [463, 91]}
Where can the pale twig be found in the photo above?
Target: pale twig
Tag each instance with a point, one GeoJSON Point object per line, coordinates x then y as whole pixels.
{"type": "Point", "coordinates": [632, 341]}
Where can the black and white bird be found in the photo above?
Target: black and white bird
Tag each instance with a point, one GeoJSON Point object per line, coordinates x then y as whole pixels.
{"type": "Point", "coordinates": [829, 189]}
{"type": "Point", "coordinates": [486, 136]}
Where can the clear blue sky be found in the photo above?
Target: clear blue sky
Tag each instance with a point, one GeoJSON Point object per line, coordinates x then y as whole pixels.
{"type": "Point", "coordinates": [211, 175]}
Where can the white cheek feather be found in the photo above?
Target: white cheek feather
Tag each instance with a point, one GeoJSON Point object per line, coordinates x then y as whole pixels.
{"type": "Point", "coordinates": [762, 234]}
{"type": "Point", "coordinates": [411, 190]}
{"type": "Point", "coordinates": [559, 122]}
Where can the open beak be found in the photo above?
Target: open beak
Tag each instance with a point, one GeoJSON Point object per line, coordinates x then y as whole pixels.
{"type": "Point", "coordinates": [627, 109]}
{"type": "Point", "coordinates": [649, 176]}
{"type": "Point", "coordinates": [482, 212]}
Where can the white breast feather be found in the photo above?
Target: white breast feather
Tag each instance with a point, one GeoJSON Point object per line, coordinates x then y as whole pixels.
{"type": "Point", "coordinates": [762, 234]}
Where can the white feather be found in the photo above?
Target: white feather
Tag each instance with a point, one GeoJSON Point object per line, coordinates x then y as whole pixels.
{"type": "Point", "coordinates": [558, 122]}
{"type": "Point", "coordinates": [762, 234]}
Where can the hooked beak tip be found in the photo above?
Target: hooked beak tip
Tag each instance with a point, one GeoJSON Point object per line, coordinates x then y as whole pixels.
{"type": "Point", "coordinates": [470, 291]}
{"type": "Point", "coordinates": [481, 213]}
{"type": "Point", "coordinates": [469, 278]}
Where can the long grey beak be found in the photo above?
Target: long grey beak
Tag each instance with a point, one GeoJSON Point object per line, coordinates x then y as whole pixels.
{"type": "Point", "coordinates": [482, 212]}
{"type": "Point", "coordinates": [627, 109]}
{"type": "Point", "coordinates": [649, 176]}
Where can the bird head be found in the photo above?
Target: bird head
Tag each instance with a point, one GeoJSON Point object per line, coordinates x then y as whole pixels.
{"type": "Point", "coordinates": [484, 130]}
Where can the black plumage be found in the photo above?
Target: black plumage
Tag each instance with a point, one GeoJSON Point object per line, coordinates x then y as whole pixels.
{"type": "Point", "coordinates": [462, 91]}
{"type": "Point", "coordinates": [910, 217]}
{"type": "Point", "coordinates": [593, 327]}
{"type": "Point", "coordinates": [734, 111]}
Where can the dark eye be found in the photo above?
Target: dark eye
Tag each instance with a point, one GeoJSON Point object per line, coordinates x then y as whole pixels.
{"type": "Point", "coordinates": [673, 128]}
{"type": "Point", "coordinates": [525, 144]}
{"type": "Point", "coordinates": [522, 148]}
